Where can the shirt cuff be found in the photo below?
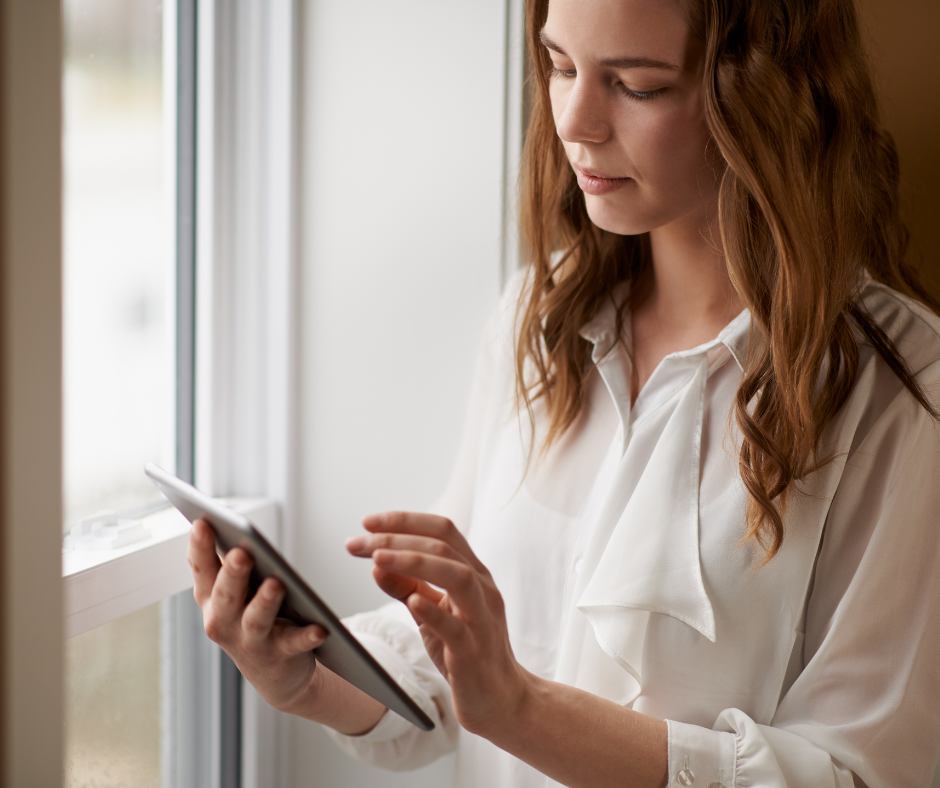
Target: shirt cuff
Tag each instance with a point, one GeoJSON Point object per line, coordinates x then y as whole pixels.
{"type": "Point", "coordinates": [391, 725]}
{"type": "Point", "coordinates": [701, 756]}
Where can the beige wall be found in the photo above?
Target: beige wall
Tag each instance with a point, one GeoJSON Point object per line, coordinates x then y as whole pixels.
{"type": "Point", "coordinates": [902, 42]}
{"type": "Point", "coordinates": [30, 395]}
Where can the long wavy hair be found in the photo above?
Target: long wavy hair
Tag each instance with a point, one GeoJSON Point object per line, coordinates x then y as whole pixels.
{"type": "Point", "coordinates": [808, 199]}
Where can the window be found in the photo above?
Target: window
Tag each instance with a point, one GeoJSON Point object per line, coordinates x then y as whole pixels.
{"type": "Point", "coordinates": [118, 262]}
{"type": "Point", "coordinates": [194, 375]}
{"type": "Point", "coordinates": [122, 330]}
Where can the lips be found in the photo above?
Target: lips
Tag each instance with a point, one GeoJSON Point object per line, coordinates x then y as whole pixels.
{"type": "Point", "coordinates": [598, 183]}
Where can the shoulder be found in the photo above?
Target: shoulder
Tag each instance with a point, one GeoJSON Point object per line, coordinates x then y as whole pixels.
{"type": "Point", "coordinates": [886, 414]}
{"type": "Point", "coordinates": [912, 327]}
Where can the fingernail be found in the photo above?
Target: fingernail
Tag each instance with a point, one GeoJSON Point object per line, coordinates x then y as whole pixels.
{"type": "Point", "coordinates": [354, 543]}
{"type": "Point", "coordinates": [238, 560]}
{"type": "Point", "coordinates": [317, 634]}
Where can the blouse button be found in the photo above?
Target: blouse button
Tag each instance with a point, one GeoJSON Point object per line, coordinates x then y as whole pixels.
{"type": "Point", "coordinates": [718, 783]}
{"type": "Point", "coordinates": [579, 565]}
{"type": "Point", "coordinates": [685, 777]}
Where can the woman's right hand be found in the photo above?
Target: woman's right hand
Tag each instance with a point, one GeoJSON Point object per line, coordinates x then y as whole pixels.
{"type": "Point", "coordinates": [275, 655]}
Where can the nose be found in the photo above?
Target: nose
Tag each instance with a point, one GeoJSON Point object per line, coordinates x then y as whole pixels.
{"type": "Point", "coordinates": [580, 114]}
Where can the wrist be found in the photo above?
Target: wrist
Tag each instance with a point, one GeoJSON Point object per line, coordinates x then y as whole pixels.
{"type": "Point", "coordinates": [302, 696]}
{"type": "Point", "coordinates": [515, 717]}
{"type": "Point", "coordinates": [334, 702]}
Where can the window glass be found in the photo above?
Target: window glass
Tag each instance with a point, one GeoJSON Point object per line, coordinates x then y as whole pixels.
{"type": "Point", "coordinates": [118, 254]}
{"type": "Point", "coordinates": [112, 704]}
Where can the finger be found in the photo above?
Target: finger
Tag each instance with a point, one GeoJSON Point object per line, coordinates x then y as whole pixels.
{"type": "Point", "coordinates": [419, 524]}
{"type": "Point", "coordinates": [261, 612]}
{"type": "Point", "coordinates": [449, 629]}
{"type": "Point", "coordinates": [455, 577]}
{"type": "Point", "coordinates": [292, 640]}
{"type": "Point", "coordinates": [203, 560]}
{"type": "Point", "coordinates": [401, 587]}
{"type": "Point", "coordinates": [364, 545]}
{"type": "Point", "coordinates": [231, 586]}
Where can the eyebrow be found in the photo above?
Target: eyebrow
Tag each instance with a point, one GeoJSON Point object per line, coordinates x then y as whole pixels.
{"type": "Point", "coordinates": [615, 62]}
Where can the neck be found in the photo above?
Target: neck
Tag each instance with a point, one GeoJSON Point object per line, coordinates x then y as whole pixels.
{"type": "Point", "coordinates": [689, 284]}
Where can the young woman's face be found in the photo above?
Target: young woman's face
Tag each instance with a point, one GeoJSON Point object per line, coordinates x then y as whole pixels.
{"type": "Point", "coordinates": [627, 100]}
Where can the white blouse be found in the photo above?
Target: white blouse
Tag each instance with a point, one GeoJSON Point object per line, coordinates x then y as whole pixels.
{"type": "Point", "coordinates": [620, 561]}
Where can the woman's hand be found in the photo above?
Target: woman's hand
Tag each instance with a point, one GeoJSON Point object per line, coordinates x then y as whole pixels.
{"type": "Point", "coordinates": [275, 655]}
{"type": "Point", "coordinates": [463, 626]}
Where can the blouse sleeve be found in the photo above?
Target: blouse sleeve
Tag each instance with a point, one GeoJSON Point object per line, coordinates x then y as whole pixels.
{"type": "Point", "coordinates": [865, 709]}
{"type": "Point", "coordinates": [391, 636]}
{"type": "Point", "coordinates": [389, 633]}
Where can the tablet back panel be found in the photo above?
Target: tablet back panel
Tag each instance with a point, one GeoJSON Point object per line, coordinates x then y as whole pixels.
{"type": "Point", "coordinates": [341, 652]}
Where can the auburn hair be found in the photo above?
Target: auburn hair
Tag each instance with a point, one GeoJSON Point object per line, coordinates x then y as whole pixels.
{"type": "Point", "coordinates": [808, 199]}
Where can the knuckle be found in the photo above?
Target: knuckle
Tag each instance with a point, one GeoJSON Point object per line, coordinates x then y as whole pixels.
{"type": "Point", "coordinates": [224, 598]}
{"type": "Point", "coordinates": [395, 519]}
{"type": "Point", "coordinates": [446, 527]}
{"type": "Point", "coordinates": [440, 549]}
{"type": "Point", "coordinates": [464, 577]}
{"type": "Point", "coordinates": [213, 627]}
{"type": "Point", "coordinates": [381, 540]}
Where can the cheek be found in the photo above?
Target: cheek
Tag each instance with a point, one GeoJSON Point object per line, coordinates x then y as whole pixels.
{"type": "Point", "coordinates": [668, 147]}
{"type": "Point", "coordinates": [558, 95]}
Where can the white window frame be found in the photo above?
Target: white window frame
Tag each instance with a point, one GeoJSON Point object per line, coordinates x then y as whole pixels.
{"type": "Point", "coordinates": [100, 586]}
{"type": "Point", "coordinates": [513, 133]}
{"type": "Point", "coordinates": [245, 334]}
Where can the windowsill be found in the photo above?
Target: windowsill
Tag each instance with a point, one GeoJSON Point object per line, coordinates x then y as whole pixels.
{"type": "Point", "coordinates": [102, 585]}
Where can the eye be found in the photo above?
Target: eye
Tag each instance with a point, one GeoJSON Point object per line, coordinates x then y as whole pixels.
{"type": "Point", "coordinates": [640, 95]}
{"type": "Point", "coordinates": [569, 73]}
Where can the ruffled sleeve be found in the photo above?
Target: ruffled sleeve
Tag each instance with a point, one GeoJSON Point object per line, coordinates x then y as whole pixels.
{"type": "Point", "coordinates": [390, 635]}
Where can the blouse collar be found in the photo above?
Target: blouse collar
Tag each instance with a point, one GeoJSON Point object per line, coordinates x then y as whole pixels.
{"type": "Point", "coordinates": [601, 331]}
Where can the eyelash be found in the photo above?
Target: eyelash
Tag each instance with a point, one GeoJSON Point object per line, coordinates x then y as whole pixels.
{"type": "Point", "coordinates": [638, 95]}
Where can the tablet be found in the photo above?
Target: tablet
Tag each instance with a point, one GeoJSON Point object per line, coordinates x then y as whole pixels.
{"type": "Point", "coordinates": [340, 652]}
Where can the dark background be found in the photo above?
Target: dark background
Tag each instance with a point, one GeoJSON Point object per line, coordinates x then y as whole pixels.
{"type": "Point", "coordinates": [903, 38]}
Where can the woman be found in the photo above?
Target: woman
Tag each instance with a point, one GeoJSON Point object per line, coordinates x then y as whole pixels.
{"type": "Point", "coordinates": [697, 490]}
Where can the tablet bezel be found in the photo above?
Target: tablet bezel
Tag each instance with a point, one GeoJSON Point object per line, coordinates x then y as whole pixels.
{"type": "Point", "coordinates": [341, 652]}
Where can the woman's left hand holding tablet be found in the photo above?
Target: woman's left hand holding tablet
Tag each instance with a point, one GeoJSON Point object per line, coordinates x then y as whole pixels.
{"type": "Point", "coordinates": [463, 626]}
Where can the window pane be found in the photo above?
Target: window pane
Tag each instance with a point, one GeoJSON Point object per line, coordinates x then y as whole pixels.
{"type": "Point", "coordinates": [113, 704]}
{"type": "Point", "coordinates": [118, 254]}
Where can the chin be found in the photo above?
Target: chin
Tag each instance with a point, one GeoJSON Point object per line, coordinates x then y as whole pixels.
{"type": "Point", "coordinates": [617, 219]}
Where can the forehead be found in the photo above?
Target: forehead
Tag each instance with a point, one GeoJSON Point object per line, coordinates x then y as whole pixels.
{"type": "Point", "coordinates": [601, 30]}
